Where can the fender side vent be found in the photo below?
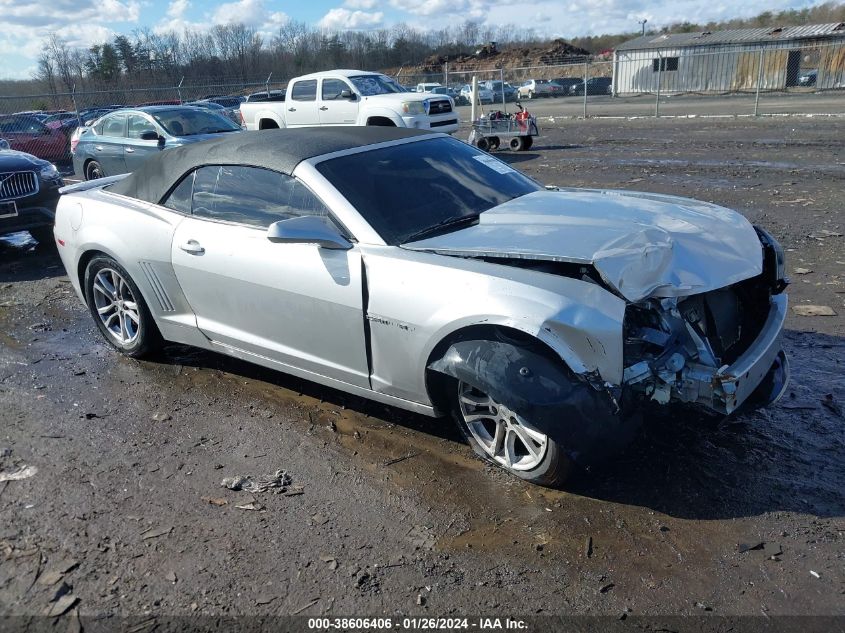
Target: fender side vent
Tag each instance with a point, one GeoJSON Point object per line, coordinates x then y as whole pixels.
{"type": "Point", "coordinates": [164, 302]}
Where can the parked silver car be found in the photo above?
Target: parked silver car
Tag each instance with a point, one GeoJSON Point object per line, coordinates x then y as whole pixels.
{"type": "Point", "coordinates": [543, 321]}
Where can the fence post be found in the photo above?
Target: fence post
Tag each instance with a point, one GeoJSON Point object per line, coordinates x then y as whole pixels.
{"type": "Point", "coordinates": [759, 81]}
{"type": "Point", "coordinates": [446, 74]}
{"type": "Point", "coordinates": [179, 90]}
{"type": "Point", "coordinates": [267, 84]}
{"type": "Point", "coordinates": [586, 72]}
{"type": "Point", "coordinates": [657, 99]}
{"type": "Point", "coordinates": [502, 79]}
{"type": "Point", "coordinates": [75, 107]}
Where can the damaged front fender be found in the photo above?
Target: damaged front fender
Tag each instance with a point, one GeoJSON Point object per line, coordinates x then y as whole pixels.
{"type": "Point", "coordinates": [581, 414]}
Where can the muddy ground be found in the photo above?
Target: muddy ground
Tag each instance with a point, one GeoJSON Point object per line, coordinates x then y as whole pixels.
{"type": "Point", "coordinates": [127, 515]}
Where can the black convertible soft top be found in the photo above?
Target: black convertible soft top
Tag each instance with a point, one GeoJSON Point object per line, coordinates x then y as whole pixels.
{"type": "Point", "coordinates": [279, 150]}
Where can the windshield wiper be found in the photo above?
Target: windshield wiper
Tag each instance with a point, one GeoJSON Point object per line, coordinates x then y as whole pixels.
{"type": "Point", "coordinates": [448, 223]}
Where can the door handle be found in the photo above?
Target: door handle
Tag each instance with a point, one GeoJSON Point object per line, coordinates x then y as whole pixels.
{"type": "Point", "coordinates": [99, 148]}
{"type": "Point", "coordinates": [193, 247]}
{"type": "Point", "coordinates": [129, 150]}
{"type": "Point", "coordinates": [291, 109]}
{"type": "Point", "coordinates": [323, 108]}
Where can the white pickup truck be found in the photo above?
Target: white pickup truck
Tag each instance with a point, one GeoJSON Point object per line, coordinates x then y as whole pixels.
{"type": "Point", "coordinates": [351, 97]}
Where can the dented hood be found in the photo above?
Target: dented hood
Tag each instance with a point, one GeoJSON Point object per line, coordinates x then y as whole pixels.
{"type": "Point", "coordinates": [642, 244]}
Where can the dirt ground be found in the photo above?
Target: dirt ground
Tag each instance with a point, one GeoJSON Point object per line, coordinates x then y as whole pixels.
{"type": "Point", "coordinates": [388, 512]}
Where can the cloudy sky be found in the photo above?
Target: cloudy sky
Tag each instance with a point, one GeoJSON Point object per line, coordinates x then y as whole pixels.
{"type": "Point", "coordinates": [24, 24]}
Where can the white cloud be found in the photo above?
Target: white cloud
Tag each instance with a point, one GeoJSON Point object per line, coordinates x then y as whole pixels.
{"type": "Point", "coordinates": [177, 8]}
{"type": "Point", "coordinates": [249, 12]}
{"type": "Point", "coordinates": [341, 19]}
{"type": "Point", "coordinates": [450, 9]}
{"type": "Point", "coordinates": [360, 4]}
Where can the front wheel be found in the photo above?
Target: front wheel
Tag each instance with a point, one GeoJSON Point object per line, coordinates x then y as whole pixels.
{"type": "Point", "coordinates": [503, 437]}
{"type": "Point", "coordinates": [119, 309]}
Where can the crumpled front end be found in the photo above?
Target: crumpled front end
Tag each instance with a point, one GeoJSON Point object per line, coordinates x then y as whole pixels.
{"type": "Point", "coordinates": [719, 349]}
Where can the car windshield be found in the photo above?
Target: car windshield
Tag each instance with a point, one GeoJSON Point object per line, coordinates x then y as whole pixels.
{"type": "Point", "coordinates": [449, 181]}
{"type": "Point", "coordinates": [369, 85]}
{"type": "Point", "coordinates": [191, 121]}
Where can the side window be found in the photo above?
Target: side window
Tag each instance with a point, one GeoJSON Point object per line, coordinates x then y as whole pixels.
{"type": "Point", "coordinates": [250, 195]}
{"type": "Point", "coordinates": [138, 124]}
{"type": "Point", "coordinates": [180, 198]}
{"type": "Point", "coordinates": [332, 88]}
{"type": "Point", "coordinates": [114, 126]}
{"type": "Point", "coordinates": [304, 90]}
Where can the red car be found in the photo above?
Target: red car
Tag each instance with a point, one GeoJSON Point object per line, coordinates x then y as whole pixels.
{"type": "Point", "coordinates": [26, 133]}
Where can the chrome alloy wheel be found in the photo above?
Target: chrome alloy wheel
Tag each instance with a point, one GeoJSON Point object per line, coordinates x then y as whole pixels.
{"type": "Point", "coordinates": [116, 306]}
{"type": "Point", "coordinates": [502, 434]}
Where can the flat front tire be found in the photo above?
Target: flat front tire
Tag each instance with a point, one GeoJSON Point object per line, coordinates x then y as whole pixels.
{"type": "Point", "coordinates": [502, 437]}
{"type": "Point", "coordinates": [118, 308]}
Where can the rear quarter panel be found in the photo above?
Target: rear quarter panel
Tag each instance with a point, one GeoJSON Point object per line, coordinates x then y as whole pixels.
{"type": "Point", "coordinates": [139, 237]}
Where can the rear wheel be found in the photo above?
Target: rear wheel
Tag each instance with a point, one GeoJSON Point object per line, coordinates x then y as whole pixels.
{"type": "Point", "coordinates": [530, 94]}
{"type": "Point", "coordinates": [483, 144]}
{"type": "Point", "coordinates": [529, 141]}
{"type": "Point", "coordinates": [93, 170]}
{"type": "Point", "coordinates": [517, 143]}
{"type": "Point", "coordinates": [503, 437]}
{"type": "Point", "coordinates": [495, 142]}
{"type": "Point", "coordinates": [119, 309]}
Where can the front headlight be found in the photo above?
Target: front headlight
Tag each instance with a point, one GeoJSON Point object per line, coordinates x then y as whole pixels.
{"type": "Point", "coordinates": [413, 107]}
{"type": "Point", "coordinates": [49, 172]}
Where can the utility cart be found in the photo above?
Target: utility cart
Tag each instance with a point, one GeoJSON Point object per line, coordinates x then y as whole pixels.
{"type": "Point", "coordinates": [517, 130]}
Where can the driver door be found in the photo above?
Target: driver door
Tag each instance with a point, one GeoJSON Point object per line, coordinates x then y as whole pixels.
{"type": "Point", "coordinates": [137, 150]}
{"type": "Point", "coordinates": [299, 305]}
{"type": "Point", "coordinates": [334, 109]}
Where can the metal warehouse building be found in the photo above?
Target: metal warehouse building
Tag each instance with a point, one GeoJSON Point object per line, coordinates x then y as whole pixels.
{"type": "Point", "coordinates": [731, 61]}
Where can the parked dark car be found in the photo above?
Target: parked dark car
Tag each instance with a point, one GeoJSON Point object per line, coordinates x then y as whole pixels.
{"type": "Point", "coordinates": [232, 103]}
{"type": "Point", "coordinates": [566, 84]}
{"type": "Point", "coordinates": [29, 191]}
{"type": "Point", "coordinates": [122, 140]}
{"type": "Point", "coordinates": [272, 95]}
{"type": "Point", "coordinates": [595, 86]}
{"type": "Point", "coordinates": [808, 78]}
{"type": "Point", "coordinates": [26, 133]}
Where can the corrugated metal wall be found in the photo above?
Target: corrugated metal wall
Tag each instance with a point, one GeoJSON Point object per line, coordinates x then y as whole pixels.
{"type": "Point", "coordinates": [729, 68]}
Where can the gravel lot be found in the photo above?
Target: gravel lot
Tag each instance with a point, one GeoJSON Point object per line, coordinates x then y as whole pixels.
{"type": "Point", "coordinates": [389, 513]}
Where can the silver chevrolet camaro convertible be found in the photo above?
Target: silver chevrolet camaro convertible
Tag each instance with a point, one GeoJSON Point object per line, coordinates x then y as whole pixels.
{"type": "Point", "coordinates": [413, 269]}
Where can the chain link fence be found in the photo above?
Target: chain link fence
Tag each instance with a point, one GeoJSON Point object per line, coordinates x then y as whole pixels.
{"type": "Point", "coordinates": [717, 81]}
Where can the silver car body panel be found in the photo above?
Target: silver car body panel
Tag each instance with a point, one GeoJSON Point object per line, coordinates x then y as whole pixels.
{"type": "Point", "coordinates": [642, 244]}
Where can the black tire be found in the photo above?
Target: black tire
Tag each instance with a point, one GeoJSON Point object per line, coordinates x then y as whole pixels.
{"type": "Point", "coordinates": [495, 142]}
{"type": "Point", "coordinates": [147, 338]}
{"type": "Point", "coordinates": [44, 236]}
{"type": "Point", "coordinates": [554, 469]}
{"type": "Point", "coordinates": [530, 94]}
{"type": "Point", "coordinates": [517, 143]}
{"type": "Point", "coordinates": [483, 144]}
{"type": "Point", "coordinates": [93, 170]}
{"type": "Point", "coordinates": [529, 141]}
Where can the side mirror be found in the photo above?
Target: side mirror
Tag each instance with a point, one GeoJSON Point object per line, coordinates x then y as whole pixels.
{"type": "Point", "coordinates": [149, 135]}
{"type": "Point", "coordinates": [348, 94]}
{"type": "Point", "coordinates": [308, 229]}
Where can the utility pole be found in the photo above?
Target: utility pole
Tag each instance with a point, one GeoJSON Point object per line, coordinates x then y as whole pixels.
{"type": "Point", "coordinates": [642, 24]}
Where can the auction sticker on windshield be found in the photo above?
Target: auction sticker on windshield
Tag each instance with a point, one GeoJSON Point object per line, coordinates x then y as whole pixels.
{"type": "Point", "coordinates": [495, 164]}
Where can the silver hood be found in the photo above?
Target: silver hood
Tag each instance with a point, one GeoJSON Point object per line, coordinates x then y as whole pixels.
{"type": "Point", "coordinates": [642, 244]}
